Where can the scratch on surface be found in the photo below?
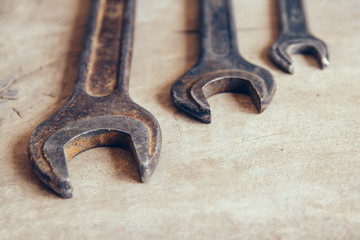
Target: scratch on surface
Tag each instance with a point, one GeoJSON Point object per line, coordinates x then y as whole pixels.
{"type": "Point", "coordinates": [6, 93]}
{"type": "Point", "coordinates": [48, 95]}
{"type": "Point", "coordinates": [303, 128]}
{"type": "Point", "coordinates": [8, 81]}
{"type": "Point", "coordinates": [265, 136]}
{"type": "Point", "coordinates": [17, 112]}
{"type": "Point", "coordinates": [5, 86]}
{"type": "Point", "coordinates": [5, 97]}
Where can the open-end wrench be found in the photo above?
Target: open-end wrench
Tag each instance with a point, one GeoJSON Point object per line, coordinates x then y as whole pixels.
{"type": "Point", "coordinates": [295, 37]}
{"type": "Point", "coordinates": [100, 111]}
{"type": "Point", "coordinates": [220, 67]}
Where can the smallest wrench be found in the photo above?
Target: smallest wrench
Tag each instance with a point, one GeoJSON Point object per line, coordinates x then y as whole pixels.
{"type": "Point", "coordinates": [295, 37]}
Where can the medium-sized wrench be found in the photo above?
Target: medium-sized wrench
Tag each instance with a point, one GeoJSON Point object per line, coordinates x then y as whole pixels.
{"type": "Point", "coordinates": [100, 111]}
{"type": "Point", "coordinates": [295, 37]}
{"type": "Point", "coordinates": [220, 67]}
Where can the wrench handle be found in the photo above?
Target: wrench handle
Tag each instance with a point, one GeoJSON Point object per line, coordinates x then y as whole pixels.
{"type": "Point", "coordinates": [106, 57]}
{"type": "Point", "coordinates": [217, 28]}
{"type": "Point", "coordinates": [292, 15]}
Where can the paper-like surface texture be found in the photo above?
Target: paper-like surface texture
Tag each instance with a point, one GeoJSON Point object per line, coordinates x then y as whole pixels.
{"type": "Point", "coordinates": [291, 172]}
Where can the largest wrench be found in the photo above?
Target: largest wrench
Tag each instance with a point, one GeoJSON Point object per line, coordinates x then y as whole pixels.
{"type": "Point", "coordinates": [100, 111]}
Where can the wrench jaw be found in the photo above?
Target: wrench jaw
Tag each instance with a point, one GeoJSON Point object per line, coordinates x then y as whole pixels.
{"type": "Point", "coordinates": [58, 181]}
{"type": "Point", "coordinates": [190, 93]}
{"type": "Point", "coordinates": [49, 157]}
{"type": "Point", "coordinates": [146, 142]}
{"type": "Point", "coordinates": [280, 51]}
{"type": "Point", "coordinates": [182, 99]}
{"type": "Point", "coordinates": [201, 113]}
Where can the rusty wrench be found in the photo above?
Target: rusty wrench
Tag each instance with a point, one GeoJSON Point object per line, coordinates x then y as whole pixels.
{"type": "Point", "coordinates": [220, 67]}
{"type": "Point", "coordinates": [295, 37]}
{"type": "Point", "coordinates": [100, 111]}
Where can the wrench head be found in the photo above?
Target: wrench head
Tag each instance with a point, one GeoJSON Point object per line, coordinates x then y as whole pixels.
{"type": "Point", "coordinates": [190, 92]}
{"type": "Point", "coordinates": [56, 141]}
{"type": "Point", "coordinates": [280, 51]}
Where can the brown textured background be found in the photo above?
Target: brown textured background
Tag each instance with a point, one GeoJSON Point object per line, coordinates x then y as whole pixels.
{"type": "Point", "coordinates": [291, 172]}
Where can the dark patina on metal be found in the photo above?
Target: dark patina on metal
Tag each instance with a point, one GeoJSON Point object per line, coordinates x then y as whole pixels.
{"type": "Point", "coordinates": [100, 111]}
{"type": "Point", "coordinates": [220, 67]}
{"type": "Point", "coordinates": [295, 37]}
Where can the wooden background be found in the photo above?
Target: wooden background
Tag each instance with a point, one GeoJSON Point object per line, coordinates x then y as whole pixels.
{"type": "Point", "coordinates": [291, 172]}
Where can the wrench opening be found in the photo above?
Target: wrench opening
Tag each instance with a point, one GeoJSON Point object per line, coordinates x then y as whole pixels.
{"type": "Point", "coordinates": [97, 138]}
{"type": "Point", "coordinates": [235, 85]}
{"type": "Point", "coordinates": [280, 52]}
{"type": "Point", "coordinates": [206, 88]}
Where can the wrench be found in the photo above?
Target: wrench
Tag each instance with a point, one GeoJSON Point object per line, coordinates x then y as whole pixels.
{"type": "Point", "coordinates": [220, 67]}
{"type": "Point", "coordinates": [295, 37]}
{"type": "Point", "coordinates": [100, 111]}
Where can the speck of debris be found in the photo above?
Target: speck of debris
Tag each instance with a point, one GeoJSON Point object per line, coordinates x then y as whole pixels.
{"type": "Point", "coordinates": [48, 95]}
{"type": "Point", "coordinates": [282, 149]}
{"type": "Point", "coordinates": [17, 112]}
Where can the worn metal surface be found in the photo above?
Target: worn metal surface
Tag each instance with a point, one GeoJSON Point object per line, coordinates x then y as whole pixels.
{"type": "Point", "coordinates": [295, 37]}
{"type": "Point", "coordinates": [100, 111]}
{"type": "Point", "coordinates": [220, 67]}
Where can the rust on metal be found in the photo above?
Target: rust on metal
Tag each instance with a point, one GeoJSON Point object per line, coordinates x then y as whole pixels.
{"type": "Point", "coordinates": [100, 111]}
{"type": "Point", "coordinates": [104, 51]}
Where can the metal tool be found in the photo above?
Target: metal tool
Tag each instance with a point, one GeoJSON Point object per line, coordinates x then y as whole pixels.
{"type": "Point", "coordinates": [220, 67]}
{"type": "Point", "coordinates": [100, 111]}
{"type": "Point", "coordinates": [295, 37]}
